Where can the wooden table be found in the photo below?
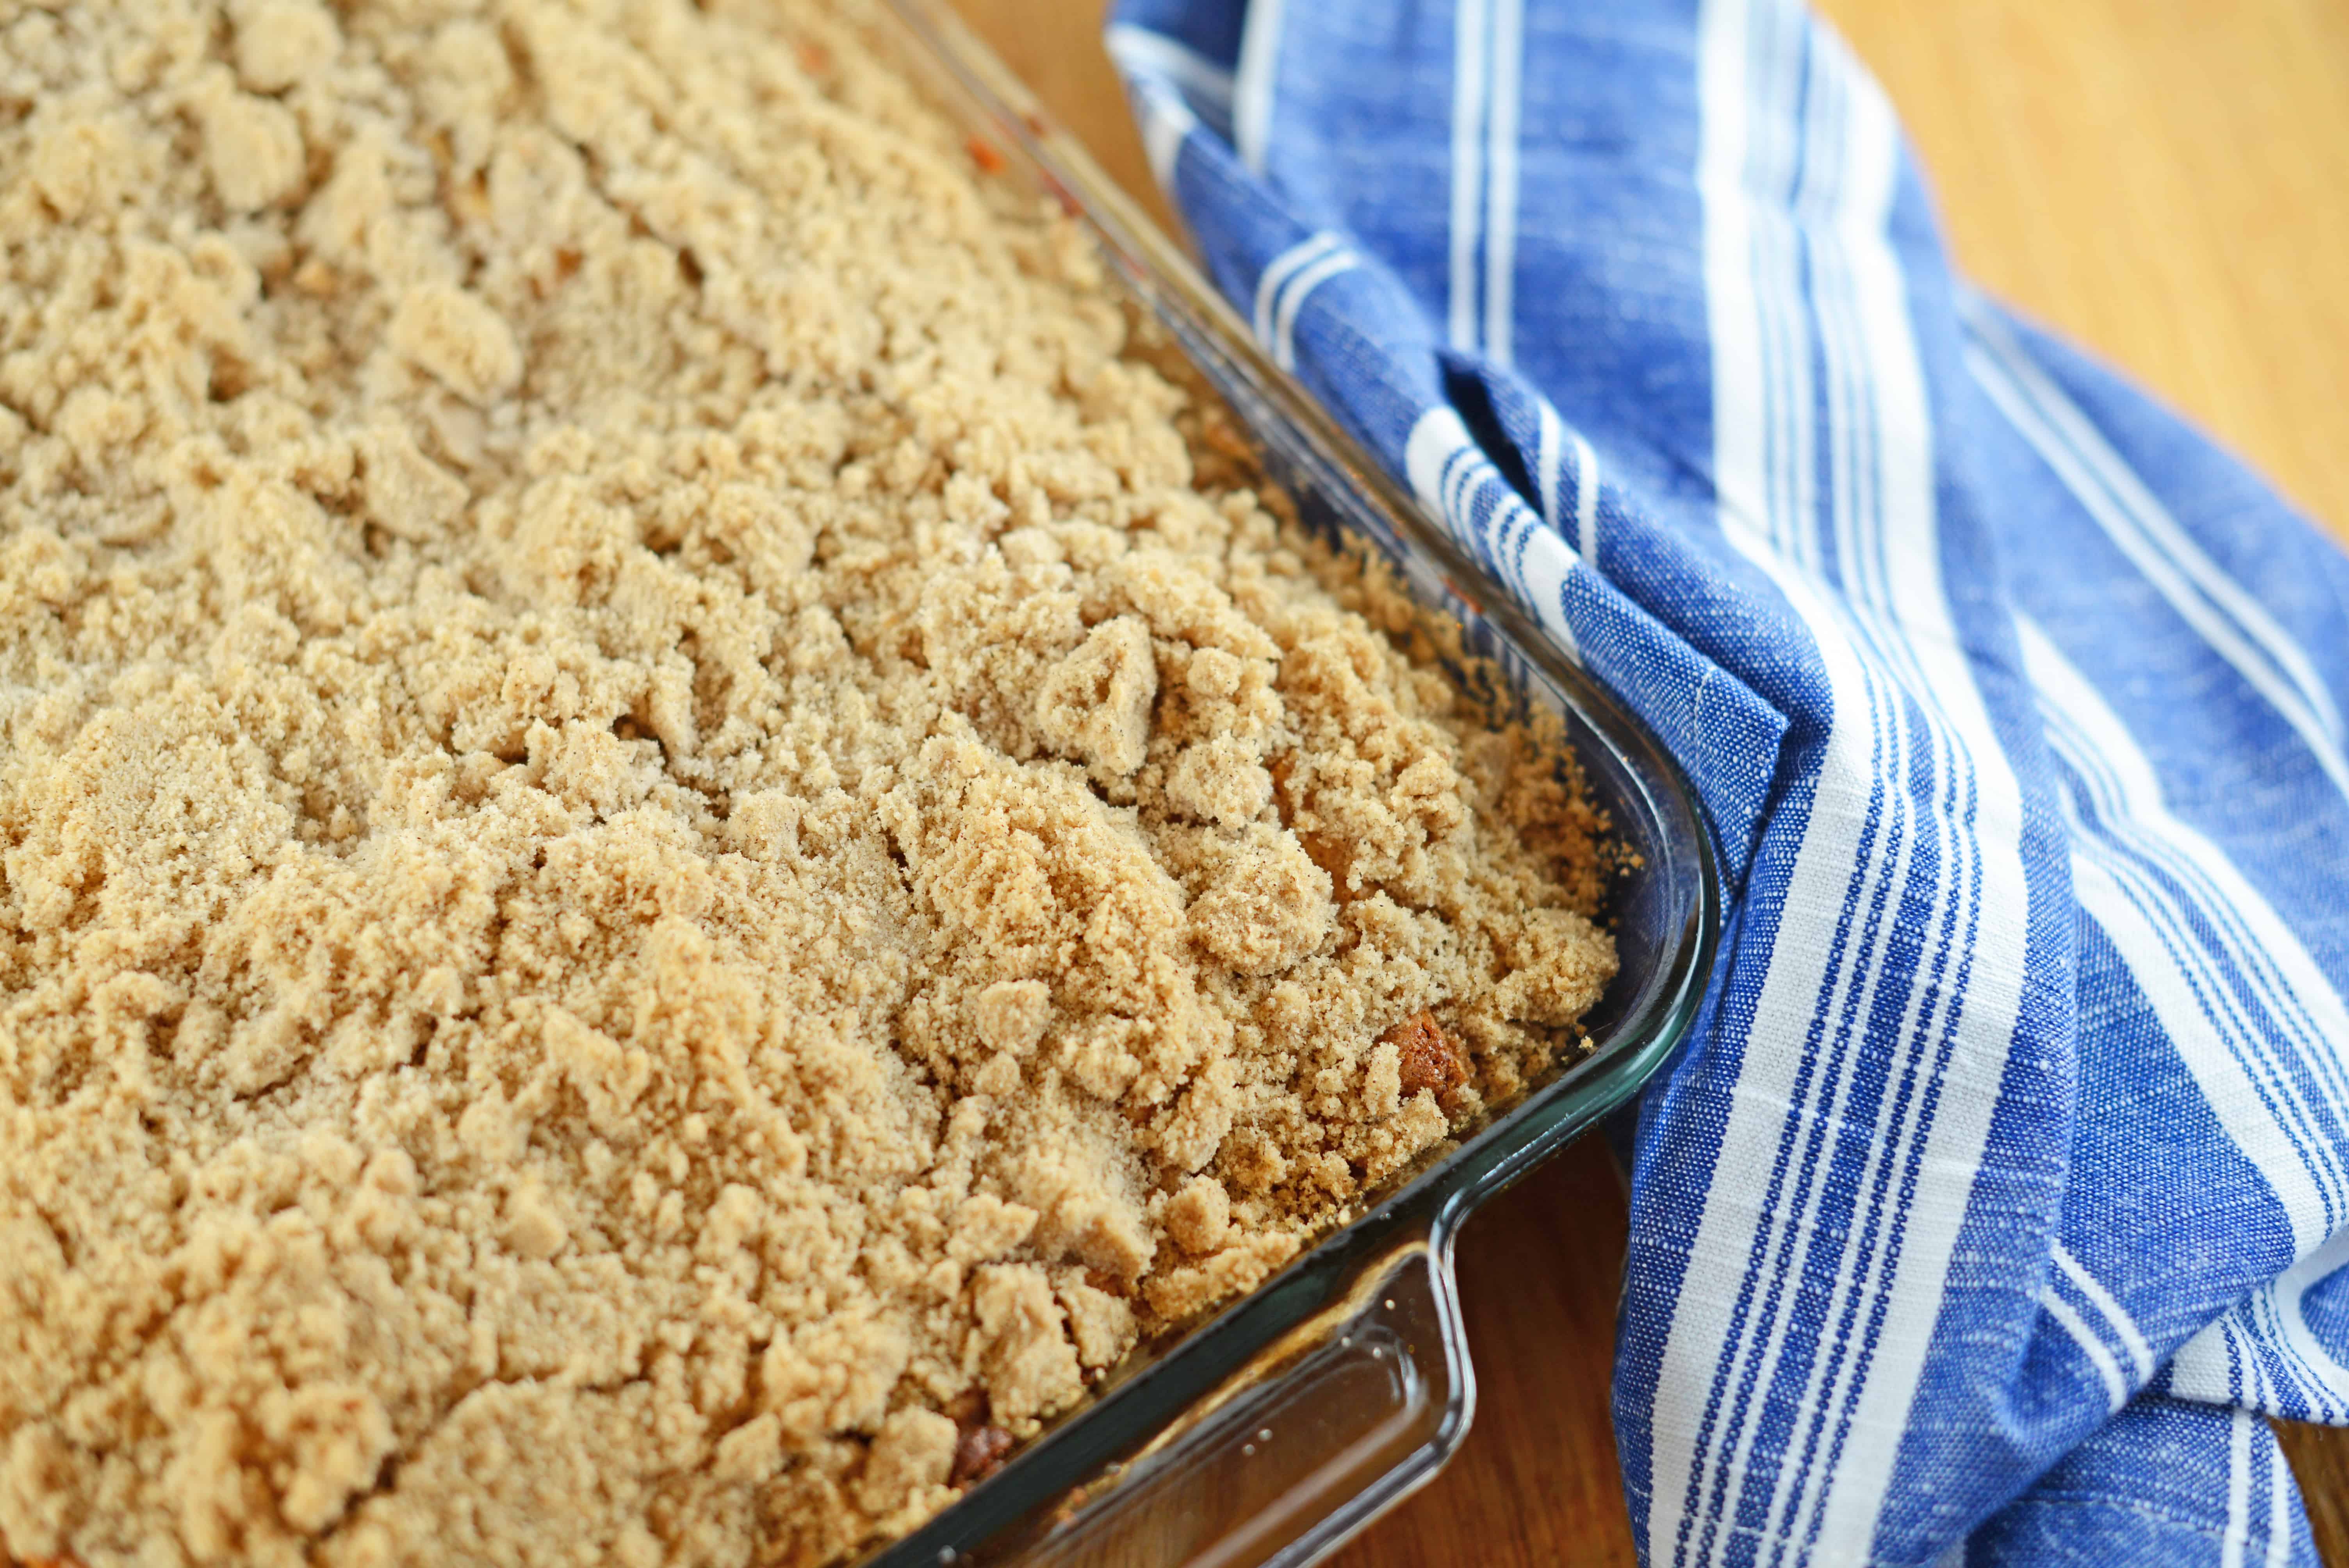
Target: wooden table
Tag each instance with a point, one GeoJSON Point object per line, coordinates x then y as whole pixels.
{"type": "Point", "coordinates": [2168, 185]}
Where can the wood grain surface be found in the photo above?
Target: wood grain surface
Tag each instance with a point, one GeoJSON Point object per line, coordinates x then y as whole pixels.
{"type": "Point", "coordinates": [2166, 184]}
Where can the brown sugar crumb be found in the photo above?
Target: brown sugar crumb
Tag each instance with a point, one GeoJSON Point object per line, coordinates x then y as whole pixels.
{"type": "Point", "coordinates": [1426, 1058]}
{"type": "Point", "coordinates": [676, 846]}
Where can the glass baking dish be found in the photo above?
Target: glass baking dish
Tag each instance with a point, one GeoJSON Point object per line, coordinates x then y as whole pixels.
{"type": "Point", "coordinates": [1285, 1423]}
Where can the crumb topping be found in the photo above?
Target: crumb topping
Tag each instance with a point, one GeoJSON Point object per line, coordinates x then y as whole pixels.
{"type": "Point", "coordinates": [675, 845]}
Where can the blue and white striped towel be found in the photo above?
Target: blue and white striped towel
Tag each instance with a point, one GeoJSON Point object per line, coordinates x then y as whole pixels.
{"type": "Point", "coordinates": [2006, 1184]}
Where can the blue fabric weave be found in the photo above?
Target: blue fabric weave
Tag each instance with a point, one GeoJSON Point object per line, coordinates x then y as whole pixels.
{"type": "Point", "coordinates": [2007, 1174]}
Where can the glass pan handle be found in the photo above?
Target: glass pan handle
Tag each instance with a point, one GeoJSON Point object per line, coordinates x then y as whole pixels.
{"type": "Point", "coordinates": [1303, 1447]}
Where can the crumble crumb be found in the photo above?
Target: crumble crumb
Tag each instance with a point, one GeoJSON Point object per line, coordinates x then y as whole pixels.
{"type": "Point", "coordinates": [1424, 1058]}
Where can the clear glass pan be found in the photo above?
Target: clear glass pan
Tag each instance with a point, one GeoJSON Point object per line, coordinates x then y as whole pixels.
{"type": "Point", "coordinates": [1301, 1412]}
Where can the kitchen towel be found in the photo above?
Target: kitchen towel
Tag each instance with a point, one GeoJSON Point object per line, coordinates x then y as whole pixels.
{"type": "Point", "coordinates": [2005, 1187]}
